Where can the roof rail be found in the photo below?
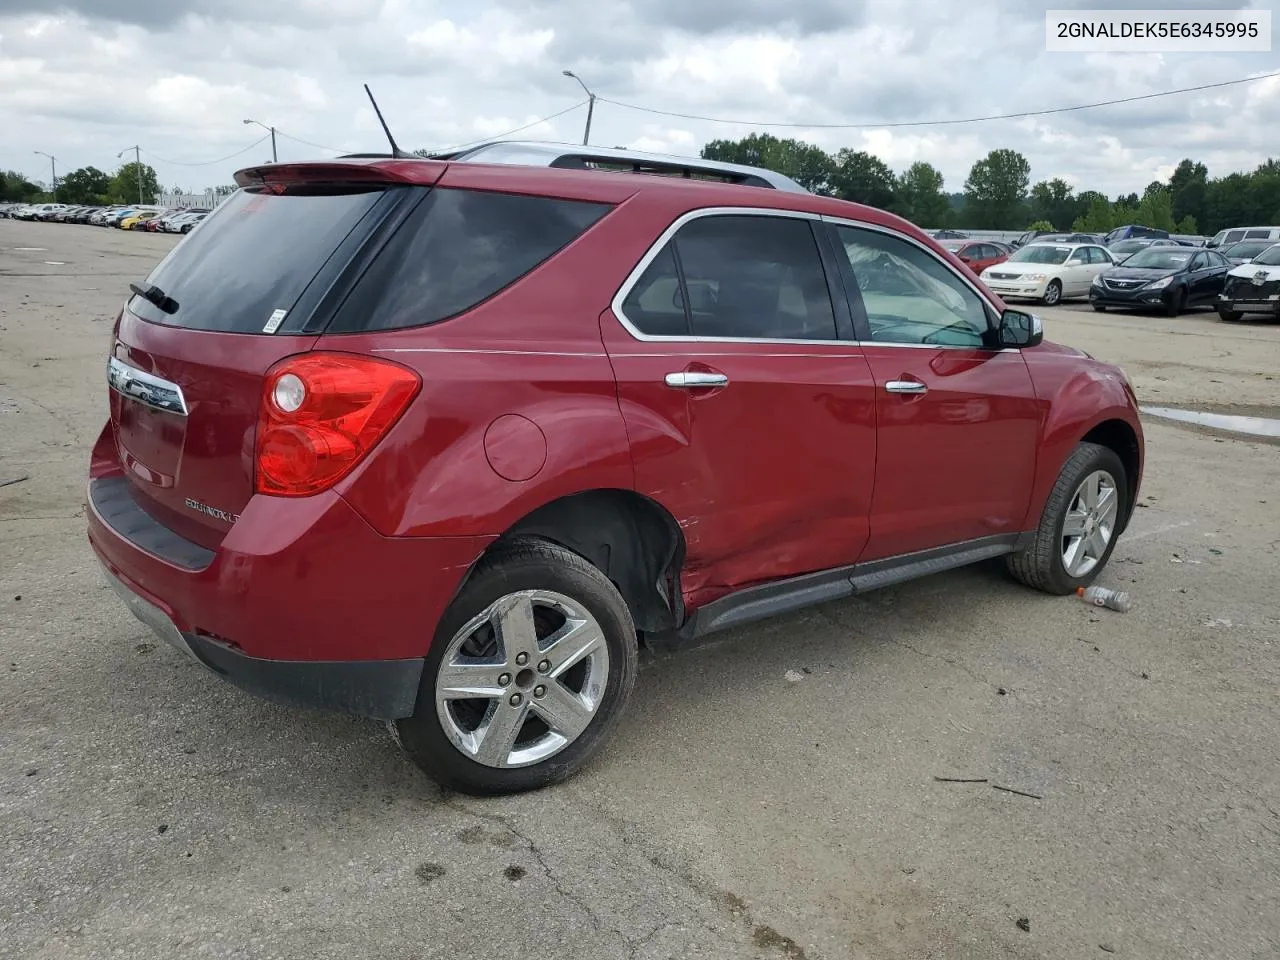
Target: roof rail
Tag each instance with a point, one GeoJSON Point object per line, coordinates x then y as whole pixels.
{"type": "Point", "coordinates": [571, 157]}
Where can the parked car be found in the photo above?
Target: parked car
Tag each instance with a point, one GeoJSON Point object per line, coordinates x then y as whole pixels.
{"type": "Point", "coordinates": [1224, 238]}
{"type": "Point", "coordinates": [441, 443]}
{"type": "Point", "coordinates": [1048, 272]}
{"type": "Point", "coordinates": [185, 223]}
{"type": "Point", "coordinates": [976, 255]}
{"type": "Point", "coordinates": [1031, 236]}
{"type": "Point", "coordinates": [139, 217]}
{"type": "Point", "coordinates": [950, 235]}
{"type": "Point", "coordinates": [1189, 240]}
{"type": "Point", "coordinates": [1253, 287]}
{"type": "Point", "coordinates": [38, 211]}
{"type": "Point", "coordinates": [1169, 278]}
{"type": "Point", "coordinates": [1071, 238]}
{"type": "Point", "coordinates": [1125, 248]}
{"type": "Point", "coordinates": [1135, 231]}
{"type": "Point", "coordinates": [1245, 250]}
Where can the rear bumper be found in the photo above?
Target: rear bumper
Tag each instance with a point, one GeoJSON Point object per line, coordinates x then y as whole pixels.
{"type": "Point", "coordinates": [302, 600]}
{"type": "Point", "coordinates": [381, 689]}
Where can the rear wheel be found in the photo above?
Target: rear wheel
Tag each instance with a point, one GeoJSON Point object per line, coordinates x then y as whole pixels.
{"type": "Point", "coordinates": [1079, 525]}
{"type": "Point", "coordinates": [528, 673]}
{"type": "Point", "coordinates": [1052, 293]}
{"type": "Point", "coordinates": [1230, 316]}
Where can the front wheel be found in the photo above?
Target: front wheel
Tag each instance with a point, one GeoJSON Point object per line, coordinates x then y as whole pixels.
{"type": "Point", "coordinates": [1052, 293]}
{"type": "Point", "coordinates": [1230, 316]}
{"type": "Point", "coordinates": [528, 673]}
{"type": "Point", "coordinates": [1177, 300]}
{"type": "Point", "coordinates": [1099, 308]}
{"type": "Point", "coordinates": [1079, 525]}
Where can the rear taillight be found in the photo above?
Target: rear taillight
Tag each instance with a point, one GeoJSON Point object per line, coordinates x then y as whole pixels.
{"type": "Point", "coordinates": [321, 413]}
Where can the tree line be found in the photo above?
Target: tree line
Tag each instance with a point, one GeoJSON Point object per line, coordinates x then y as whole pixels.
{"type": "Point", "coordinates": [998, 194]}
{"type": "Point", "coordinates": [84, 186]}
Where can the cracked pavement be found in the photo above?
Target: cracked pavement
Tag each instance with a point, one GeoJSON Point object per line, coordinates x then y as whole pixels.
{"type": "Point", "coordinates": [148, 810]}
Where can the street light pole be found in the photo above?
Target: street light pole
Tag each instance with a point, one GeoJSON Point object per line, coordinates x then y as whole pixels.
{"type": "Point", "coordinates": [137, 166]}
{"type": "Point", "coordinates": [53, 171]}
{"type": "Point", "coordinates": [591, 104]}
{"type": "Point", "coordinates": [272, 130]}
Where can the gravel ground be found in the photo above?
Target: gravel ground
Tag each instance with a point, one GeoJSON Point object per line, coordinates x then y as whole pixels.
{"type": "Point", "coordinates": [147, 810]}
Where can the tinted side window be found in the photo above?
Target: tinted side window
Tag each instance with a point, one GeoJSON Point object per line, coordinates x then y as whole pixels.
{"type": "Point", "coordinates": [1257, 234]}
{"type": "Point", "coordinates": [1199, 261]}
{"type": "Point", "coordinates": [1233, 236]}
{"type": "Point", "coordinates": [754, 276]}
{"type": "Point", "coordinates": [655, 305]}
{"type": "Point", "coordinates": [909, 296]}
{"type": "Point", "coordinates": [460, 247]}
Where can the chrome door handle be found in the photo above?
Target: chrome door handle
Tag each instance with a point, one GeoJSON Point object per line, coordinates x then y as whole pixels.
{"type": "Point", "coordinates": [906, 386]}
{"type": "Point", "coordinates": [696, 378]}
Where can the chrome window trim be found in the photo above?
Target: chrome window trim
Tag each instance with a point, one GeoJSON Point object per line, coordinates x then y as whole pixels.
{"type": "Point", "coordinates": [658, 245]}
{"type": "Point", "coordinates": [651, 254]}
{"type": "Point", "coordinates": [155, 392]}
{"type": "Point", "coordinates": [888, 231]}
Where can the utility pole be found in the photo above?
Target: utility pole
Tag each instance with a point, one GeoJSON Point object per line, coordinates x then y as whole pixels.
{"type": "Point", "coordinates": [53, 172]}
{"type": "Point", "coordinates": [272, 130]}
{"type": "Point", "coordinates": [591, 104]}
{"type": "Point", "coordinates": [137, 166]}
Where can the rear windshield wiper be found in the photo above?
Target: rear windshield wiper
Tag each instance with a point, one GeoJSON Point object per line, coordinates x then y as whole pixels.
{"type": "Point", "coordinates": [154, 295]}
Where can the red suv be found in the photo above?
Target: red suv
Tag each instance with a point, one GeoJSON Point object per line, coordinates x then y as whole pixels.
{"type": "Point", "coordinates": [440, 442]}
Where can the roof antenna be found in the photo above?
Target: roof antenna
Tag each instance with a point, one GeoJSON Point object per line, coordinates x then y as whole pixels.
{"type": "Point", "coordinates": [395, 148]}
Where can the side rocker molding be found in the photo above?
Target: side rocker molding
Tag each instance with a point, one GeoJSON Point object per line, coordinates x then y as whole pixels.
{"type": "Point", "coordinates": [795, 593]}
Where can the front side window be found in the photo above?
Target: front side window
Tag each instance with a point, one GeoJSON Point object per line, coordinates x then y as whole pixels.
{"type": "Point", "coordinates": [738, 277]}
{"type": "Point", "coordinates": [909, 295]}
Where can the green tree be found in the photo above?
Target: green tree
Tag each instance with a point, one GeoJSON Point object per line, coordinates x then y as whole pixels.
{"type": "Point", "coordinates": [15, 188]}
{"type": "Point", "coordinates": [86, 185]}
{"type": "Point", "coordinates": [124, 186]}
{"type": "Point", "coordinates": [995, 190]}
{"type": "Point", "coordinates": [1156, 209]}
{"type": "Point", "coordinates": [1041, 225]}
{"type": "Point", "coordinates": [1098, 218]}
{"type": "Point", "coordinates": [1187, 226]}
{"type": "Point", "coordinates": [1188, 186]}
{"type": "Point", "coordinates": [920, 197]}
{"type": "Point", "coordinates": [863, 178]}
{"type": "Point", "coordinates": [806, 164]}
{"type": "Point", "coordinates": [1054, 201]}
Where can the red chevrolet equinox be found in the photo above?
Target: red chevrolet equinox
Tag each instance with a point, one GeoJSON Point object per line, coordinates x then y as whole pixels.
{"type": "Point", "coordinates": [442, 442]}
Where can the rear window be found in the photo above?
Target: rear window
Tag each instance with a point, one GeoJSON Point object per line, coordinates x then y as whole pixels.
{"type": "Point", "coordinates": [458, 248]}
{"type": "Point", "coordinates": [251, 258]}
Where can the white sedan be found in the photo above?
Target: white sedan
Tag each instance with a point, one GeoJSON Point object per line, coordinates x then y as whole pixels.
{"type": "Point", "coordinates": [1048, 272]}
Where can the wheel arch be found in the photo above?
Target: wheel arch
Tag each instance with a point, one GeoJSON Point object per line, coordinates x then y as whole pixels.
{"type": "Point", "coordinates": [1120, 437]}
{"type": "Point", "coordinates": [629, 537]}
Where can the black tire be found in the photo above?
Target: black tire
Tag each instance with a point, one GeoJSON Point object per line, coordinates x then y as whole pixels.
{"type": "Point", "coordinates": [1230, 316]}
{"type": "Point", "coordinates": [1177, 301]}
{"type": "Point", "coordinates": [1098, 307]}
{"type": "Point", "coordinates": [522, 565]}
{"type": "Point", "coordinates": [1040, 565]}
{"type": "Point", "coordinates": [1052, 294]}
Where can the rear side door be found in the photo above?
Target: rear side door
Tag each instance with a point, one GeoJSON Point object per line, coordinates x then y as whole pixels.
{"type": "Point", "coordinates": [958, 421]}
{"type": "Point", "coordinates": [749, 408]}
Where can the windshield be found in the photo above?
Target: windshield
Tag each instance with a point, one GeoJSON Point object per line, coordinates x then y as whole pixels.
{"type": "Point", "coordinates": [1250, 248]}
{"type": "Point", "coordinates": [1269, 257]}
{"type": "Point", "coordinates": [1159, 258]}
{"type": "Point", "coordinates": [953, 245]}
{"type": "Point", "coordinates": [1041, 254]}
{"type": "Point", "coordinates": [1128, 246]}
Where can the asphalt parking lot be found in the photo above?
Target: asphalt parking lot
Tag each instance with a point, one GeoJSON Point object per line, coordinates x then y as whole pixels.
{"type": "Point", "coordinates": [147, 810]}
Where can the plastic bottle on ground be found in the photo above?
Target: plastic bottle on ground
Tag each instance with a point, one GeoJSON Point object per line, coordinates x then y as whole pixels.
{"type": "Point", "coordinates": [1116, 600]}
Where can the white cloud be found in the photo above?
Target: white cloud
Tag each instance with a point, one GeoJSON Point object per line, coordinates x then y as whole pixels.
{"type": "Point", "coordinates": [179, 76]}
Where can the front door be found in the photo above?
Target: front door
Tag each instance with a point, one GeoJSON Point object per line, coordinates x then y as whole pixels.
{"type": "Point", "coordinates": [750, 418]}
{"type": "Point", "coordinates": [958, 421]}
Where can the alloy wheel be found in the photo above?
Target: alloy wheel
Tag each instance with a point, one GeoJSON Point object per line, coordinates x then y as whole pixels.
{"type": "Point", "coordinates": [522, 679]}
{"type": "Point", "coordinates": [1090, 523]}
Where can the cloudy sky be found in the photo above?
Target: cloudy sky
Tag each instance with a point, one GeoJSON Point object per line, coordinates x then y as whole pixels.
{"type": "Point", "coordinates": [84, 79]}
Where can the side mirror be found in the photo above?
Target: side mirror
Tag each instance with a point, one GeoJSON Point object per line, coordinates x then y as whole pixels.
{"type": "Point", "coordinates": [1019, 329]}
